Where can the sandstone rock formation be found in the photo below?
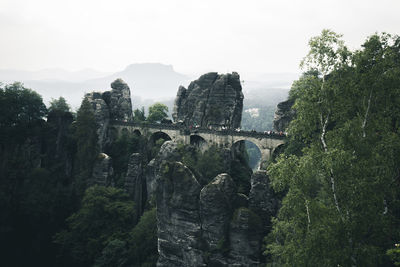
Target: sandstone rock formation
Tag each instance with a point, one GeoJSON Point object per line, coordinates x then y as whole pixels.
{"type": "Point", "coordinates": [213, 225]}
{"type": "Point", "coordinates": [134, 182]}
{"type": "Point", "coordinates": [178, 218]}
{"type": "Point", "coordinates": [102, 171]}
{"type": "Point", "coordinates": [102, 116]}
{"type": "Point", "coordinates": [168, 151]}
{"type": "Point", "coordinates": [212, 100]}
{"type": "Point", "coordinates": [120, 101]}
{"type": "Point", "coordinates": [216, 207]}
{"type": "Point", "coordinates": [262, 199]}
{"type": "Point", "coordinates": [114, 105]}
{"type": "Point", "coordinates": [245, 238]}
{"type": "Point", "coordinates": [283, 115]}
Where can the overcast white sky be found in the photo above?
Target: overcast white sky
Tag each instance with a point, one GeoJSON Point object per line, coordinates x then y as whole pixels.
{"type": "Point", "coordinates": [194, 36]}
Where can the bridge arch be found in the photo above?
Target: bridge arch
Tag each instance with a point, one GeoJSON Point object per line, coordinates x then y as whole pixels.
{"type": "Point", "coordinates": [266, 143]}
{"type": "Point", "coordinates": [137, 132]}
{"type": "Point", "coordinates": [277, 150]}
{"type": "Point", "coordinates": [199, 142]}
{"type": "Point", "coordinates": [254, 154]}
{"type": "Point", "coordinates": [157, 136]}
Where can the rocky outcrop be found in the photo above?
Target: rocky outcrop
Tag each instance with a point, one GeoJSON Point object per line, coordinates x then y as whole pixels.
{"type": "Point", "coordinates": [60, 122]}
{"type": "Point", "coordinates": [102, 171]}
{"type": "Point", "coordinates": [102, 116]}
{"type": "Point", "coordinates": [216, 204]}
{"type": "Point", "coordinates": [283, 115]}
{"type": "Point", "coordinates": [262, 199]}
{"type": "Point", "coordinates": [213, 225]}
{"type": "Point", "coordinates": [114, 105]}
{"type": "Point", "coordinates": [245, 238]}
{"type": "Point", "coordinates": [120, 101]}
{"type": "Point", "coordinates": [168, 151]}
{"type": "Point", "coordinates": [135, 183]}
{"type": "Point", "coordinates": [178, 217]}
{"type": "Point", "coordinates": [213, 100]}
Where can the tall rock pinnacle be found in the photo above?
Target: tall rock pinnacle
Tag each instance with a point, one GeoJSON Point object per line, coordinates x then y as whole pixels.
{"type": "Point", "coordinates": [213, 100]}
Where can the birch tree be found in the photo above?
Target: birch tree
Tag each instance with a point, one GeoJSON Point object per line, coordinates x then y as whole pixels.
{"type": "Point", "coordinates": [340, 170]}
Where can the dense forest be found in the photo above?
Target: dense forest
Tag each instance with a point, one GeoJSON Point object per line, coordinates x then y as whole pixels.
{"type": "Point", "coordinates": [337, 177]}
{"type": "Point", "coordinates": [340, 169]}
{"type": "Point", "coordinates": [53, 213]}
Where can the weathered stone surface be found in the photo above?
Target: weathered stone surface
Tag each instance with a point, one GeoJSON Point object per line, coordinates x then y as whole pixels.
{"type": "Point", "coordinates": [102, 116]}
{"type": "Point", "coordinates": [227, 157]}
{"type": "Point", "coordinates": [102, 170]}
{"type": "Point", "coordinates": [108, 106]}
{"type": "Point", "coordinates": [213, 100]}
{"type": "Point", "coordinates": [216, 200]}
{"type": "Point", "coordinates": [168, 151]}
{"type": "Point", "coordinates": [178, 217]}
{"type": "Point", "coordinates": [241, 201]}
{"type": "Point", "coordinates": [59, 124]}
{"type": "Point", "coordinates": [120, 101]}
{"type": "Point", "coordinates": [262, 199]}
{"type": "Point", "coordinates": [283, 115]}
{"type": "Point", "coordinates": [245, 241]}
{"type": "Point", "coordinates": [135, 182]}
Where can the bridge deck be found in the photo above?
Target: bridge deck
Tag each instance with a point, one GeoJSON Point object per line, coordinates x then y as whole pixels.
{"type": "Point", "coordinates": [173, 126]}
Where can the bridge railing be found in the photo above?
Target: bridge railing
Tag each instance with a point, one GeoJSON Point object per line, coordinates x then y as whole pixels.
{"type": "Point", "coordinates": [187, 131]}
{"type": "Point", "coordinates": [147, 125]}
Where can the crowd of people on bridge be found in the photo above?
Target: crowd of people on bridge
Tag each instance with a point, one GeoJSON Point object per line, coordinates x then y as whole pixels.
{"type": "Point", "coordinates": [194, 128]}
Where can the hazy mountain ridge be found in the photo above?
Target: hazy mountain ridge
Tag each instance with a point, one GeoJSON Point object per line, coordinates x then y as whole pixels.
{"type": "Point", "coordinates": [149, 82]}
{"type": "Point", "coordinates": [56, 74]}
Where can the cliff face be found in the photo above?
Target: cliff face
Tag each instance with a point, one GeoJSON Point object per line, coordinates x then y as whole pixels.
{"type": "Point", "coordinates": [114, 105]}
{"type": "Point", "coordinates": [120, 103]}
{"type": "Point", "coordinates": [110, 106]}
{"type": "Point", "coordinates": [199, 223]}
{"type": "Point", "coordinates": [283, 115]}
{"type": "Point", "coordinates": [178, 217]}
{"type": "Point", "coordinates": [212, 100]}
{"type": "Point", "coordinates": [211, 225]}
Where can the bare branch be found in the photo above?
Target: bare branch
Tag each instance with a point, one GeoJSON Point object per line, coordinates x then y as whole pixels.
{"type": "Point", "coordinates": [324, 125]}
{"type": "Point", "coordinates": [366, 115]}
{"type": "Point", "coordinates": [308, 215]}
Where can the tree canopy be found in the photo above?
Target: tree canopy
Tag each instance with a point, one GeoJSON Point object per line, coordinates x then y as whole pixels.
{"type": "Point", "coordinates": [20, 105]}
{"type": "Point", "coordinates": [59, 104]}
{"type": "Point", "coordinates": [157, 112]}
{"type": "Point", "coordinates": [341, 173]}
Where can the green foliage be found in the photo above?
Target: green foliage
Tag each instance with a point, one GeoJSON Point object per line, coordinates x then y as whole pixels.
{"type": "Point", "coordinates": [223, 246]}
{"type": "Point", "coordinates": [206, 166]}
{"type": "Point", "coordinates": [210, 164]}
{"type": "Point", "coordinates": [87, 147]}
{"type": "Point", "coordinates": [35, 189]}
{"type": "Point", "coordinates": [143, 250]}
{"type": "Point", "coordinates": [20, 106]}
{"type": "Point", "coordinates": [156, 147]}
{"type": "Point", "coordinates": [93, 232]}
{"type": "Point", "coordinates": [138, 115]}
{"type": "Point", "coordinates": [157, 112]}
{"type": "Point", "coordinates": [59, 104]}
{"type": "Point", "coordinates": [340, 167]}
{"type": "Point", "coordinates": [114, 254]}
{"type": "Point", "coordinates": [394, 254]}
{"type": "Point", "coordinates": [120, 151]}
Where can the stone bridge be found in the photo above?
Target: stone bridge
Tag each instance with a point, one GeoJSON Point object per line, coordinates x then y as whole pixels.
{"type": "Point", "coordinates": [266, 143]}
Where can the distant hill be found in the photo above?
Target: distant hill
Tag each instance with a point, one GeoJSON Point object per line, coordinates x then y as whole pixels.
{"type": "Point", "coordinates": [259, 107]}
{"type": "Point", "coordinates": [149, 82]}
{"type": "Point", "coordinates": [51, 75]}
